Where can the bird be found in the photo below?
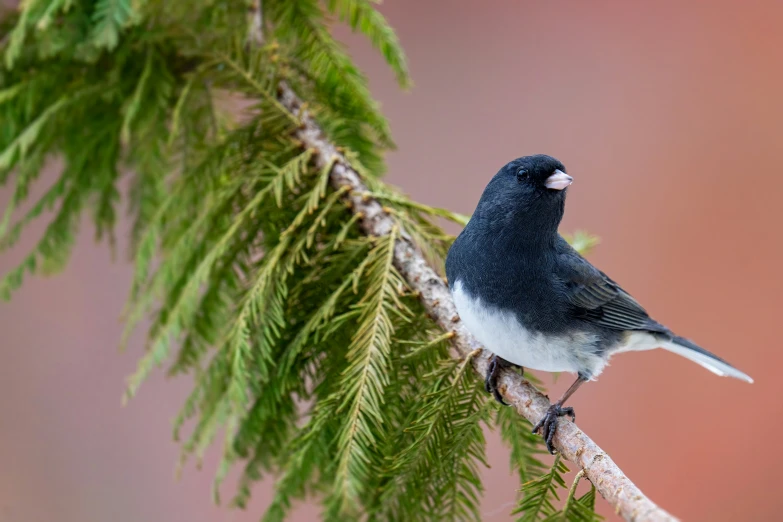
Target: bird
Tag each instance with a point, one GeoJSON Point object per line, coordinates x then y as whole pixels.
{"type": "Point", "coordinates": [534, 302]}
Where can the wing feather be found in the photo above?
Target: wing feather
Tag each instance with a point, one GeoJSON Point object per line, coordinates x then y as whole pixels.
{"type": "Point", "coordinates": [594, 297]}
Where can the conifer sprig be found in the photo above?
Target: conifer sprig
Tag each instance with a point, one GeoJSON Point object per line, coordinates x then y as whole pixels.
{"type": "Point", "coordinates": [580, 509]}
{"type": "Point", "coordinates": [539, 496]}
{"type": "Point", "coordinates": [438, 472]}
{"type": "Point", "coordinates": [365, 377]}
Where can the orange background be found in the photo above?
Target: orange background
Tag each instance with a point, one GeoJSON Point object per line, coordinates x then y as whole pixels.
{"type": "Point", "coordinates": [670, 118]}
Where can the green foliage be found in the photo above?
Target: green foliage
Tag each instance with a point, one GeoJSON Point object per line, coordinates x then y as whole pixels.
{"type": "Point", "coordinates": [525, 446]}
{"type": "Point", "coordinates": [436, 476]}
{"type": "Point", "coordinates": [109, 18]}
{"type": "Point", "coordinates": [582, 241]}
{"type": "Point", "coordinates": [361, 14]}
{"type": "Point", "coordinates": [581, 509]}
{"type": "Point", "coordinates": [539, 496]}
{"type": "Point", "coordinates": [308, 352]}
{"type": "Point", "coordinates": [366, 375]}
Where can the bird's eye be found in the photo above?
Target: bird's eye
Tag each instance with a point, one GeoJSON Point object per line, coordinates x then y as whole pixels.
{"type": "Point", "coordinates": [521, 175]}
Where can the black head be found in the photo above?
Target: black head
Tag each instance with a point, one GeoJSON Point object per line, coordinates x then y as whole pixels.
{"type": "Point", "coordinates": [528, 194]}
{"type": "Point", "coordinates": [539, 174]}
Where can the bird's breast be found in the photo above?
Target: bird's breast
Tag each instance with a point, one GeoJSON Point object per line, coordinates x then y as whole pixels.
{"type": "Point", "coordinates": [502, 333]}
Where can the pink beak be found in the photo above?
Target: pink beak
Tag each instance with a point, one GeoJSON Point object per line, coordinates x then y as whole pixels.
{"type": "Point", "coordinates": [558, 181]}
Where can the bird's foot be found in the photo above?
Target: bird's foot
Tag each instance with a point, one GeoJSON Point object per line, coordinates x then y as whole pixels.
{"type": "Point", "coordinates": [548, 423]}
{"type": "Point", "coordinates": [496, 365]}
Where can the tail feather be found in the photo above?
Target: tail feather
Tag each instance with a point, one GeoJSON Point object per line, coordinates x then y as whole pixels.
{"type": "Point", "coordinates": [699, 355]}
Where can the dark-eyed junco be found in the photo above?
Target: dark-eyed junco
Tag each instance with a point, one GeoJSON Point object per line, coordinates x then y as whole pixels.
{"type": "Point", "coordinates": [534, 302]}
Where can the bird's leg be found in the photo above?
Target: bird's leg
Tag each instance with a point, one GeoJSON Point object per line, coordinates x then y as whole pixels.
{"type": "Point", "coordinates": [496, 365]}
{"type": "Point", "coordinates": [548, 423]}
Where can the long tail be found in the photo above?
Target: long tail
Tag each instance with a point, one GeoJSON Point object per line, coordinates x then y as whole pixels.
{"type": "Point", "coordinates": [699, 355]}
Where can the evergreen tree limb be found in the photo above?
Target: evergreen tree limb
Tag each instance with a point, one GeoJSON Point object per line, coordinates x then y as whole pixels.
{"type": "Point", "coordinates": [571, 442]}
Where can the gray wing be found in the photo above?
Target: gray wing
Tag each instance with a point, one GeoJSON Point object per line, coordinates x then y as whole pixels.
{"type": "Point", "coordinates": [595, 298]}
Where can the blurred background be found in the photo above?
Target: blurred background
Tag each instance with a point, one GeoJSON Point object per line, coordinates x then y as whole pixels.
{"type": "Point", "coordinates": [670, 118]}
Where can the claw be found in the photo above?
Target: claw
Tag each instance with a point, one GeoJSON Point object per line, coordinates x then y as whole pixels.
{"type": "Point", "coordinates": [551, 429]}
{"type": "Point", "coordinates": [548, 423]}
{"type": "Point", "coordinates": [490, 373]}
{"type": "Point", "coordinates": [496, 365]}
{"type": "Point", "coordinates": [499, 397]}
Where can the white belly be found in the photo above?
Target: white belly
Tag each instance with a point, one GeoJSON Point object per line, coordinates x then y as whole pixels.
{"type": "Point", "coordinates": [502, 334]}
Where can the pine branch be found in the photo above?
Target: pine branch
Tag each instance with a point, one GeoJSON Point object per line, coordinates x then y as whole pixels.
{"type": "Point", "coordinates": [578, 509]}
{"type": "Point", "coordinates": [446, 425]}
{"type": "Point", "coordinates": [366, 375]}
{"type": "Point", "coordinates": [571, 442]}
{"type": "Point", "coordinates": [541, 493]}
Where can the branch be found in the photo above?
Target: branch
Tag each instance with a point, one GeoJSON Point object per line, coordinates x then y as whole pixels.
{"type": "Point", "coordinates": [256, 22]}
{"type": "Point", "coordinates": [572, 443]}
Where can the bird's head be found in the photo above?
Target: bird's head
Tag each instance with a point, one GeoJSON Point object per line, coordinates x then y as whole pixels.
{"type": "Point", "coordinates": [539, 175]}
{"type": "Point", "coordinates": [529, 191]}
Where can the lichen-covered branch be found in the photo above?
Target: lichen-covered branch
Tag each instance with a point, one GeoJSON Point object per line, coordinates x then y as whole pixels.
{"type": "Point", "coordinates": [626, 498]}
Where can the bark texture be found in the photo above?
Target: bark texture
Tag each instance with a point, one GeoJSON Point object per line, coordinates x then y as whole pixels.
{"type": "Point", "coordinates": [610, 481]}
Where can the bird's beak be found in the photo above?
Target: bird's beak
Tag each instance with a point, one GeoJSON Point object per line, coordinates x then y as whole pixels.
{"type": "Point", "coordinates": [558, 181]}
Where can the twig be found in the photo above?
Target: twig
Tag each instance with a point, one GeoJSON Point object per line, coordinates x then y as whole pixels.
{"type": "Point", "coordinates": [572, 492]}
{"type": "Point", "coordinates": [256, 23]}
{"type": "Point", "coordinates": [573, 444]}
